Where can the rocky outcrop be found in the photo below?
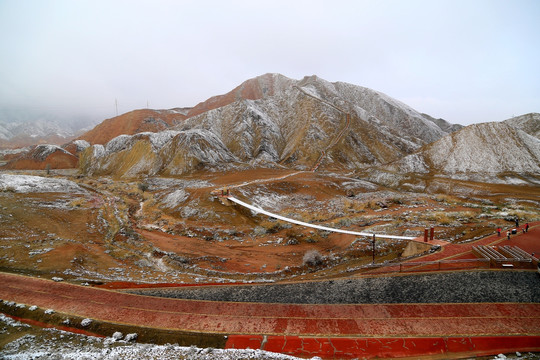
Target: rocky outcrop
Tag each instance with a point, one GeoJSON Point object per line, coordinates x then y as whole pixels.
{"type": "Point", "coordinates": [76, 146]}
{"type": "Point", "coordinates": [530, 123]}
{"type": "Point", "coordinates": [164, 153]}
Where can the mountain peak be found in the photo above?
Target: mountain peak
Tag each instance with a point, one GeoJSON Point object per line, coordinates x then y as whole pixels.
{"type": "Point", "coordinates": [252, 89]}
{"type": "Point", "coordinates": [530, 123]}
{"type": "Point", "coordinates": [304, 124]}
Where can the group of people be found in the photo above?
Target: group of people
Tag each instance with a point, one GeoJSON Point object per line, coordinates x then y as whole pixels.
{"type": "Point", "coordinates": [508, 233]}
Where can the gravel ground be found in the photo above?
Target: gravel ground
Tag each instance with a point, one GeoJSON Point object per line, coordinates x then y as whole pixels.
{"type": "Point", "coordinates": [20, 341]}
{"type": "Point", "coordinates": [455, 287]}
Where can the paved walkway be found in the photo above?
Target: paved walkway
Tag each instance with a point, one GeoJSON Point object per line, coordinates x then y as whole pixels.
{"type": "Point", "coordinates": [327, 330]}
{"type": "Point", "coordinates": [344, 331]}
{"type": "Point", "coordinates": [530, 242]}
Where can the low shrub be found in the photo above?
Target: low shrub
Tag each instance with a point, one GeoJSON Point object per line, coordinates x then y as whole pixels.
{"type": "Point", "coordinates": [313, 258]}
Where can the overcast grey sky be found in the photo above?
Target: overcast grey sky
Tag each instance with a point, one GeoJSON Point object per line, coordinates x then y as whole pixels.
{"type": "Point", "coordinates": [465, 61]}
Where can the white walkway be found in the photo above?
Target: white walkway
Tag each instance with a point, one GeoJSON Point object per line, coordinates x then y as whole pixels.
{"type": "Point", "coordinates": [259, 210]}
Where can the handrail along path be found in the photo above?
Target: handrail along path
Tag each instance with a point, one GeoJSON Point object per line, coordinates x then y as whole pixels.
{"type": "Point", "coordinates": [297, 222]}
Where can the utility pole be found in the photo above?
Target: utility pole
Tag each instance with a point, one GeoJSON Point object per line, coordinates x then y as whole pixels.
{"type": "Point", "coordinates": [116, 105]}
{"type": "Point", "coordinates": [373, 248]}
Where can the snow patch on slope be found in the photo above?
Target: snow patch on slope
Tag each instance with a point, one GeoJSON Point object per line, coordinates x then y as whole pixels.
{"type": "Point", "coordinates": [81, 144]}
{"type": "Point", "coordinates": [487, 148]}
{"type": "Point", "coordinates": [475, 152]}
{"type": "Point", "coordinates": [37, 184]}
{"type": "Point", "coordinates": [175, 198]}
{"type": "Point", "coordinates": [530, 123]}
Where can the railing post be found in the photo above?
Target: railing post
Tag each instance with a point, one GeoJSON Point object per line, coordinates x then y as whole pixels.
{"type": "Point", "coordinates": [431, 233]}
{"type": "Point", "coordinates": [425, 234]}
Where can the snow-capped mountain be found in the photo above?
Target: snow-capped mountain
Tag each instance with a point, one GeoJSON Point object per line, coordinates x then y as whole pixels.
{"type": "Point", "coordinates": [272, 120]}
{"type": "Point", "coordinates": [5, 134]}
{"type": "Point", "coordinates": [304, 123]}
{"type": "Point", "coordinates": [488, 148]}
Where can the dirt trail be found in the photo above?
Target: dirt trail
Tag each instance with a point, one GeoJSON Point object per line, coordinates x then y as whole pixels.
{"type": "Point", "coordinates": [257, 181]}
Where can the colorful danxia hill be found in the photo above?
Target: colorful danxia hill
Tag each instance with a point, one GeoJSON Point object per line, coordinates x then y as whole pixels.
{"type": "Point", "coordinates": [299, 217]}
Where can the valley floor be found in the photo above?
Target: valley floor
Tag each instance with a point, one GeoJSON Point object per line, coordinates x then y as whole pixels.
{"type": "Point", "coordinates": [173, 230]}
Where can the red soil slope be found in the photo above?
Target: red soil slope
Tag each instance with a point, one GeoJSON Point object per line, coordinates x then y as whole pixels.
{"type": "Point", "coordinates": [252, 89]}
{"type": "Point", "coordinates": [57, 160]}
{"type": "Point", "coordinates": [131, 123]}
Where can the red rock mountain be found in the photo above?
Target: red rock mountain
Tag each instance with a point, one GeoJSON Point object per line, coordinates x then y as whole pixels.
{"type": "Point", "coordinates": [134, 122]}
{"type": "Point", "coordinates": [44, 157]}
{"type": "Point", "coordinates": [252, 89]}
{"type": "Point", "coordinates": [158, 120]}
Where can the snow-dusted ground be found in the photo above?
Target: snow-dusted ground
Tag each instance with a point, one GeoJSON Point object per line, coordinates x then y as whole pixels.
{"type": "Point", "coordinates": [30, 183]}
{"type": "Point", "coordinates": [41, 344]}
{"type": "Point", "coordinates": [45, 344]}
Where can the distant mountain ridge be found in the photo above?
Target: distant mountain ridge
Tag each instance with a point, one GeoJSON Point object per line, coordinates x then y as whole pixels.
{"type": "Point", "coordinates": [14, 135]}
{"type": "Point", "coordinates": [20, 128]}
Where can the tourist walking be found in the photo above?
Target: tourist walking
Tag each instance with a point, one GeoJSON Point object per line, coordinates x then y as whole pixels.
{"type": "Point", "coordinates": [517, 222]}
{"type": "Point", "coordinates": [508, 234]}
{"type": "Point", "coordinates": [499, 232]}
{"type": "Point", "coordinates": [527, 227]}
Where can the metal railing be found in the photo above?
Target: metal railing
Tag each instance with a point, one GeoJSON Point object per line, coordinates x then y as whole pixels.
{"type": "Point", "coordinates": [445, 265]}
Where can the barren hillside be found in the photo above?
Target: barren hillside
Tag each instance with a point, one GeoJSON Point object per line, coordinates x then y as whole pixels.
{"type": "Point", "coordinates": [276, 121]}
{"type": "Point", "coordinates": [43, 157]}
{"type": "Point", "coordinates": [530, 123]}
{"type": "Point", "coordinates": [132, 123]}
{"type": "Point", "coordinates": [488, 148]}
